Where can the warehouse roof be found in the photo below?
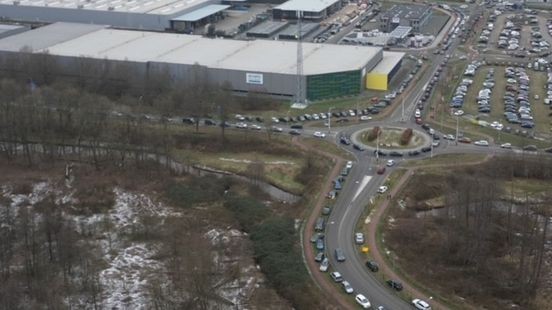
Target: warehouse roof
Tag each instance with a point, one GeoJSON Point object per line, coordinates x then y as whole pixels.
{"type": "Point", "coordinates": [388, 63]}
{"type": "Point", "coordinates": [201, 13]}
{"type": "Point", "coordinates": [44, 37]}
{"type": "Point", "coordinates": [258, 56]}
{"type": "Point", "coordinates": [306, 5]}
{"type": "Point", "coordinates": [131, 6]}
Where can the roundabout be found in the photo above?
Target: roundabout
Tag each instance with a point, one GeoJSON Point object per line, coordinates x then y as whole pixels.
{"type": "Point", "coordinates": [391, 138]}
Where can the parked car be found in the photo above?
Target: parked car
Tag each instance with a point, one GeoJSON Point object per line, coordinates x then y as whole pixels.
{"type": "Point", "coordinates": [531, 148]}
{"type": "Point", "coordinates": [381, 170]}
{"type": "Point", "coordinates": [324, 265]}
{"type": "Point", "coordinates": [294, 132]}
{"type": "Point", "coordinates": [420, 304]}
{"type": "Point", "coordinates": [506, 145]}
{"type": "Point", "coordinates": [319, 257]}
{"type": "Point", "coordinates": [390, 163]}
{"type": "Point", "coordinates": [373, 266]}
{"type": "Point", "coordinates": [395, 285]}
{"type": "Point", "coordinates": [382, 189]}
{"type": "Point", "coordinates": [363, 301]}
{"type": "Point", "coordinates": [336, 276]}
{"type": "Point", "coordinates": [359, 238]}
{"type": "Point", "coordinates": [347, 287]}
{"type": "Point", "coordinates": [320, 245]}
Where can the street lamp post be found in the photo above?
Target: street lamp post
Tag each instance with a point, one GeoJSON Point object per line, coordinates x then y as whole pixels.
{"type": "Point", "coordinates": [377, 147]}
{"type": "Point", "coordinates": [456, 129]}
{"type": "Point", "coordinates": [329, 119]}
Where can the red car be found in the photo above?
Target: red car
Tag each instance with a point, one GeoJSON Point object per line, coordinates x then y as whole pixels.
{"type": "Point", "coordinates": [381, 170]}
{"type": "Point", "coordinates": [464, 140]}
{"type": "Point", "coordinates": [419, 121]}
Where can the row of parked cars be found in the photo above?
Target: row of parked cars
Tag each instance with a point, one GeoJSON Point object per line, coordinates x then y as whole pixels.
{"type": "Point", "coordinates": [484, 95]}
{"type": "Point", "coordinates": [509, 36]}
{"type": "Point", "coordinates": [457, 101]}
{"type": "Point", "coordinates": [517, 105]}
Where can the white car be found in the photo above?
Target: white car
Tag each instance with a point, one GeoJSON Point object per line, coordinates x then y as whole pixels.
{"type": "Point", "coordinates": [417, 113]}
{"type": "Point", "coordinates": [359, 238]}
{"type": "Point", "coordinates": [324, 265]}
{"type": "Point", "coordinates": [319, 134]}
{"type": "Point", "coordinates": [363, 301]}
{"type": "Point", "coordinates": [336, 276]}
{"type": "Point", "coordinates": [351, 113]}
{"type": "Point", "coordinates": [275, 120]}
{"type": "Point", "coordinates": [255, 127]}
{"type": "Point", "coordinates": [420, 304]}
{"type": "Point", "coordinates": [449, 137]}
{"type": "Point", "coordinates": [482, 143]}
{"type": "Point", "coordinates": [240, 117]}
{"type": "Point", "coordinates": [323, 116]}
{"type": "Point", "coordinates": [458, 113]}
{"type": "Point", "coordinates": [365, 118]}
{"type": "Point", "coordinates": [390, 163]}
{"type": "Point", "coordinates": [506, 145]}
{"type": "Point", "coordinates": [277, 129]}
{"type": "Point", "coordinates": [347, 287]}
{"type": "Point", "coordinates": [382, 189]}
{"type": "Point", "coordinates": [315, 117]}
{"type": "Point", "coordinates": [241, 125]}
{"type": "Point", "coordinates": [349, 165]}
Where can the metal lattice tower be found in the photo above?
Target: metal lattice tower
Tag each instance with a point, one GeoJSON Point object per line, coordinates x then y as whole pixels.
{"type": "Point", "coordinates": [300, 98]}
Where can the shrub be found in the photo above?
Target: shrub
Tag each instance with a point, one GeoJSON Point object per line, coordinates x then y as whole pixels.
{"type": "Point", "coordinates": [373, 134]}
{"type": "Point", "coordinates": [406, 136]}
{"type": "Point", "coordinates": [247, 211]}
{"type": "Point", "coordinates": [204, 189]}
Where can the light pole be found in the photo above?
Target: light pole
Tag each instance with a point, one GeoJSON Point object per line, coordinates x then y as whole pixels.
{"type": "Point", "coordinates": [377, 147]}
{"type": "Point", "coordinates": [402, 117]}
{"type": "Point", "coordinates": [456, 129]}
{"type": "Point", "coordinates": [330, 119]}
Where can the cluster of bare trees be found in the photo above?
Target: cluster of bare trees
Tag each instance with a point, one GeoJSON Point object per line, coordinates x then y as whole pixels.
{"type": "Point", "coordinates": [43, 261]}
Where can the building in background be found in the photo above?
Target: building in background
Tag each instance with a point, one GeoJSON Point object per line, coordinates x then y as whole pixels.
{"type": "Point", "coordinates": [132, 14]}
{"type": "Point", "coordinates": [313, 10]}
{"type": "Point", "coordinates": [260, 66]}
{"type": "Point", "coordinates": [404, 15]}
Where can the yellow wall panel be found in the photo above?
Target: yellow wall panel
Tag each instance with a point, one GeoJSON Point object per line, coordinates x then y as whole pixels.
{"type": "Point", "coordinates": [376, 81]}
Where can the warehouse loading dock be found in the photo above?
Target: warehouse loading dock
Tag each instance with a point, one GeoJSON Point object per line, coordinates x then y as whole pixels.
{"type": "Point", "coordinates": [379, 77]}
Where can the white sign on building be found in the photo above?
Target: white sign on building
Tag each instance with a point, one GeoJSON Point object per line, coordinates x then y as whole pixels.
{"type": "Point", "coordinates": [254, 78]}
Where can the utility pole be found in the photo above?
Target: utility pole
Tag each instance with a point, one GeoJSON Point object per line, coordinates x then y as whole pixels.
{"type": "Point", "coordinates": [402, 103]}
{"type": "Point", "coordinates": [377, 147]}
{"type": "Point", "coordinates": [457, 129]}
{"type": "Point", "coordinates": [329, 120]}
{"type": "Point", "coordinates": [431, 155]}
{"type": "Point", "coordinates": [299, 96]}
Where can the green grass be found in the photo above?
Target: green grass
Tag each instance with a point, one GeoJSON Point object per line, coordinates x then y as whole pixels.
{"type": "Point", "coordinates": [280, 174]}
{"type": "Point", "coordinates": [445, 159]}
{"type": "Point", "coordinates": [522, 186]}
{"type": "Point", "coordinates": [328, 147]}
{"type": "Point", "coordinates": [390, 138]}
{"type": "Point", "coordinates": [543, 122]}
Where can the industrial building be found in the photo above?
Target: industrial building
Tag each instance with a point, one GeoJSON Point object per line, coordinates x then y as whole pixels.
{"type": "Point", "coordinates": [133, 14]}
{"type": "Point", "coordinates": [314, 10]}
{"type": "Point", "coordinates": [405, 15]}
{"type": "Point", "coordinates": [263, 66]}
{"type": "Point", "coordinates": [378, 78]}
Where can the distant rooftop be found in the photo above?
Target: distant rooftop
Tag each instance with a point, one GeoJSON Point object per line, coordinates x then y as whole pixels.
{"type": "Point", "coordinates": [388, 63]}
{"type": "Point", "coordinates": [400, 32]}
{"type": "Point", "coordinates": [407, 11]}
{"type": "Point", "coordinates": [306, 5]}
{"type": "Point", "coordinates": [162, 7]}
{"type": "Point", "coordinates": [201, 13]}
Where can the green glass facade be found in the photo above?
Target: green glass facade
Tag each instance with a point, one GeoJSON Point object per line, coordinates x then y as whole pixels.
{"type": "Point", "coordinates": [332, 85]}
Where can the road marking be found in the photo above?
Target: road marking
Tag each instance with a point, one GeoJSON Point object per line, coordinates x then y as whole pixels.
{"type": "Point", "coordinates": [362, 185]}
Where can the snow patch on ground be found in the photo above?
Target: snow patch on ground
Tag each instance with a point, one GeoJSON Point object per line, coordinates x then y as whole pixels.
{"type": "Point", "coordinates": [125, 281]}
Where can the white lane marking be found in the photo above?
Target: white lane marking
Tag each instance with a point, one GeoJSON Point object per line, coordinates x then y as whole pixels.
{"type": "Point", "coordinates": [362, 185]}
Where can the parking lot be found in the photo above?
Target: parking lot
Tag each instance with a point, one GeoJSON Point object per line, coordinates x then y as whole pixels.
{"type": "Point", "coordinates": [510, 99]}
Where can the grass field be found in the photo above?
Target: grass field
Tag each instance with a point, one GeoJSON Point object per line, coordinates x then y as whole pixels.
{"type": "Point", "coordinates": [328, 147]}
{"type": "Point", "coordinates": [445, 159]}
{"type": "Point", "coordinates": [279, 170]}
